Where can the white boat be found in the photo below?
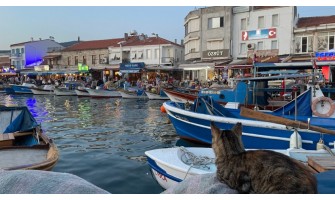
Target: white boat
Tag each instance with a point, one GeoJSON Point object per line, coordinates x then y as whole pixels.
{"type": "Point", "coordinates": [102, 93]}
{"type": "Point", "coordinates": [181, 96]}
{"type": "Point", "coordinates": [170, 166]}
{"type": "Point", "coordinates": [63, 91]}
{"type": "Point", "coordinates": [153, 96]}
{"type": "Point", "coordinates": [82, 92]}
{"type": "Point", "coordinates": [133, 94]}
{"type": "Point", "coordinates": [46, 90]}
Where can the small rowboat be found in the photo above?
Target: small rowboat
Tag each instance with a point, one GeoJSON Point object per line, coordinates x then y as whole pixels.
{"type": "Point", "coordinates": [23, 145]}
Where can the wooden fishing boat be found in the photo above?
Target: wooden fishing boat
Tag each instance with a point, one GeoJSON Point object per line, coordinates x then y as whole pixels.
{"type": "Point", "coordinates": [23, 145]}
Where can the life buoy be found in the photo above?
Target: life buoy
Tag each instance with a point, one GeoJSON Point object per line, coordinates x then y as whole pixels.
{"type": "Point", "coordinates": [326, 99]}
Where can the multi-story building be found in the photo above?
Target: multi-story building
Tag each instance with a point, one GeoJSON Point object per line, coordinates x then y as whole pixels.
{"type": "Point", "coordinates": [207, 41]}
{"type": "Point", "coordinates": [314, 38]}
{"type": "Point", "coordinates": [155, 53]}
{"type": "Point", "coordinates": [259, 28]}
{"type": "Point", "coordinates": [4, 61]}
{"type": "Point", "coordinates": [30, 54]}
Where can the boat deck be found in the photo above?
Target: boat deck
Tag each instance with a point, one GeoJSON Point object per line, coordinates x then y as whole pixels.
{"type": "Point", "coordinates": [18, 157]}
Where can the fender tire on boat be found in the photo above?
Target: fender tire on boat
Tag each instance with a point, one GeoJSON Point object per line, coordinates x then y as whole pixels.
{"type": "Point", "coordinates": [331, 103]}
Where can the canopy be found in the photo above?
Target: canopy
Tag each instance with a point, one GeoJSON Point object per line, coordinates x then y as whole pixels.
{"type": "Point", "coordinates": [131, 67]}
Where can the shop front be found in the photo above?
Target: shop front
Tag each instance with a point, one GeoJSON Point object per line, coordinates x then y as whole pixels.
{"type": "Point", "coordinates": [132, 71]}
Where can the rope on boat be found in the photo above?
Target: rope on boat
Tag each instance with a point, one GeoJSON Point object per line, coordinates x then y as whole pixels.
{"type": "Point", "coordinates": [193, 160]}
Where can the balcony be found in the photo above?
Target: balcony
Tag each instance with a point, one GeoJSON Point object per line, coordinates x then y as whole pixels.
{"type": "Point", "coordinates": [16, 55]}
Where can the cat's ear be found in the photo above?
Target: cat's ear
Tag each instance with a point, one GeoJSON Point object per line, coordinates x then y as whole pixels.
{"type": "Point", "coordinates": [214, 128]}
{"type": "Point", "coordinates": [237, 129]}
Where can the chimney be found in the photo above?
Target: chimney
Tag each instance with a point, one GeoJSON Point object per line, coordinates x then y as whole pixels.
{"type": "Point", "coordinates": [125, 36]}
{"type": "Point", "coordinates": [175, 41]}
{"type": "Point", "coordinates": [78, 39]}
{"type": "Point", "coordinates": [32, 39]}
{"type": "Point", "coordinates": [40, 38]}
{"type": "Point", "coordinates": [181, 42]}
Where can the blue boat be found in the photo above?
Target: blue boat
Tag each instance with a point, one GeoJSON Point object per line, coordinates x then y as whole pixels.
{"type": "Point", "coordinates": [192, 121]}
{"type": "Point", "coordinates": [20, 89]}
{"type": "Point", "coordinates": [22, 138]}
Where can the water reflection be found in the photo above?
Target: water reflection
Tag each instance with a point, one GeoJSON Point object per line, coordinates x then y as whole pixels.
{"type": "Point", "coordinates": [100, 141]}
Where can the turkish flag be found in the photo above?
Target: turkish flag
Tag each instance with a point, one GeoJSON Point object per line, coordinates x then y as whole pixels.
{"type": "Point", "coordinates": [244, 35]}
{"type": "Point", "coordinates": [272, 32]}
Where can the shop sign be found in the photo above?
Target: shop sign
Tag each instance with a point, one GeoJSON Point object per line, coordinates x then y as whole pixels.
{"type": "Point", "coordinates": [259, 34]}
{"type": "Point", "coordinates": [215, 53]}
{"type": "Point", "coordinates": [263, 56]}
{"type": "Point", "coordinates": [82, 67]}
{"type": "Point", "coordinates": [325, 56]}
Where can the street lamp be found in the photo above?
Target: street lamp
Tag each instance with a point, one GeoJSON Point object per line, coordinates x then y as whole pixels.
{"type": "Point", "coordinates": [159, 49]}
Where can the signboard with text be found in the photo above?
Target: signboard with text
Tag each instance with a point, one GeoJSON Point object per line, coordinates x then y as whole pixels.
{"type": "Point", "coordinates": [263, 56]}
{"type": "Point", "coordinates": [259, 34]}
{"type": "Point", "coordinates": [215, 53]}
{"type": "Point", "coordinates": [325, 56]}
{"type": "Point", "coordinates": [82, 67]}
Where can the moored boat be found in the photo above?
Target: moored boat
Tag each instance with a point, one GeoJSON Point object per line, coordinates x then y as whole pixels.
{"type": "Point", "coordinates": [46, 90]}
{"type": "Point", "coordinates": [181, 96]}
{"type": "Point", "coordinates": [192, 122]}
{"type": "Point", "coordinates": [170, 166]}
{"type": "Point", "coordinates": [23, 144]}
{"type": "Point", "coordinates": [82, 92]}
{"type": "Point", "coordinates": [133, 93]}
{"type": "Point", "coordinates": [154, 96]}
{"type": "Point", "coordinates": [25, 88]}
{"type": "Point", "coordinates": [103, 93]}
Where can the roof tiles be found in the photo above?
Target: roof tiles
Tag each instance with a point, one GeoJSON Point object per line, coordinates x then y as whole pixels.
{"type": "Point", "coordinates": [315, 21]}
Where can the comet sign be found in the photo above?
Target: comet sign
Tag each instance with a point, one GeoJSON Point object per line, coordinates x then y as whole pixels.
{"type": "Point", "coordinates": [259, 34]}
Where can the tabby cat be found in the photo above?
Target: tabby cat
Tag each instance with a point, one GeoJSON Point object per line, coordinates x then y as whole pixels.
{"type": "Point", "coordinates": [258, 171]}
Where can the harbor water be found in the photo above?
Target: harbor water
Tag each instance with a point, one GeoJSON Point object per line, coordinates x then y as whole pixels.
{"type": "Point", "coordinates": [100, 141]}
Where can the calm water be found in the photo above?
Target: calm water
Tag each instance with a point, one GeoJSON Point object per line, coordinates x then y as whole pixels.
{"type": "Point", "coordinates": [101, 142]}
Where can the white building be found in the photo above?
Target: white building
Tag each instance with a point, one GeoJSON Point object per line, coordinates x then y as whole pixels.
{"type": "Point", "coordinates": [30, 54]}
{"type": "Point", "coordinates": [263, 28]}
{"type": "Point", "coordinates": [153, 51]}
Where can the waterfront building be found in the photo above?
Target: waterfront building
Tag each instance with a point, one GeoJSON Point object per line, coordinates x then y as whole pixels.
{"type": "Point", "coordinates": [27, 55]}
{"type": "Point", "coordinates": [314, 38]}
{"type": "Point", "coordinates": [143, 56]}
{"type": "Point", "coordinates": [4, 61]}
{"type": "Point", "coordinates": [208, 33]}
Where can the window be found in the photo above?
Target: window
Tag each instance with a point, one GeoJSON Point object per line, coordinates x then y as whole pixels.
{"type": "Point", "coordinates": [76, 60]}
{"type": "Point", "coordinates": [216, 22]}
{"type": "Point", "coordinates": [68, 61]}
{"type": "Point", "coordinates": [243, 24]}
{"type": "Point", "coordinates": [84, 59]}
{"type": "Point", "coordinates": [274, 44]}
{"type": "Point", "coordinates": [23, 63]}
{"type": "Point", "coordinates": [243, 48]}
{"type": "Point", "coordinates": [94, 57]}
{"type": "Point", "coordinates": [101, 59]}
{"type": "Point", "coordinates": [304, 44]}
{"type": "Point", "coordinates": [13, 52]}
{"type": "Point", "coordinates": [214, 45]}
{"type": "Point", "coordinates": [22, 50]}
{"type": "Point", "coordinates": [17, 51]}
{"type": "Point", "coordinates": [156, 53]}
{"type": "Point", "coordinates": [148, 53]}
{"type": "Point", "coordinates": [261, 22]}
{"type": "Point", "coordinates": [134, 56]}
{"type": "Point", "coordinates": [192, 26]}
{"type": "Point", "coordinates": [331, 42]}
{"type": "Point", "coordinates": [259, 45]}
{"type": "Point", "coordinates": [275, 20]}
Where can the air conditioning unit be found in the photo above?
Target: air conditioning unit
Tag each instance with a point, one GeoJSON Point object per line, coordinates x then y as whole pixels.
{"type": "Point", "coordinates": [104, 60]}
{"type": "Point", "coordinates": [251, 46]}
{"type": "Point", "coordinates": [192, 50]}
